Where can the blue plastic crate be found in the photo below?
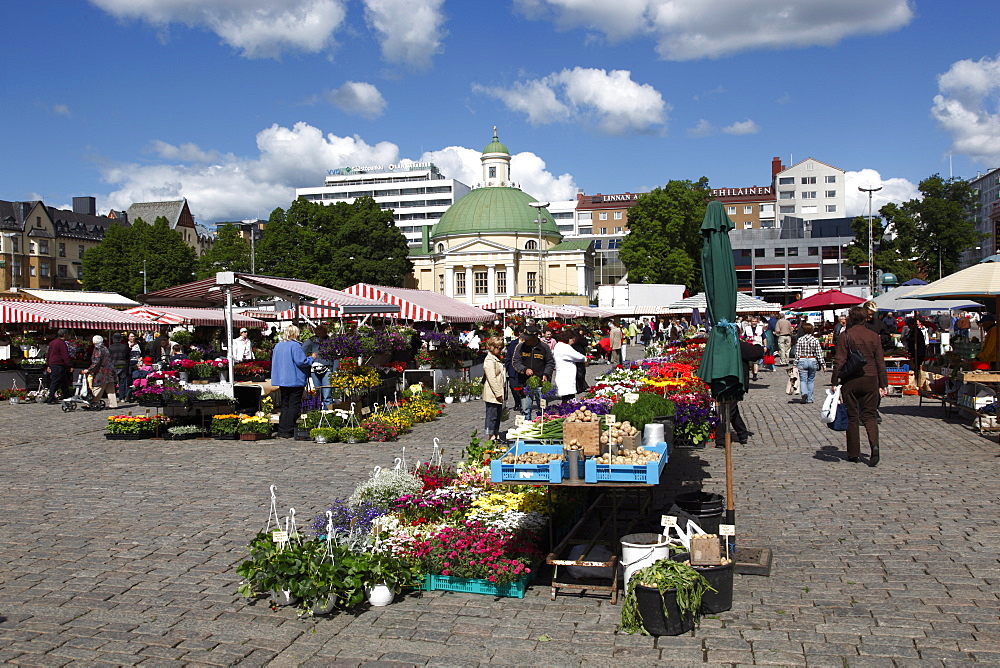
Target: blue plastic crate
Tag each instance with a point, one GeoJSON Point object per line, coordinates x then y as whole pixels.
{"type": "Point", "coordinates": [648, 473]}
{"type": "Point", "coordinates": [513, 589]}
{"type": "Point", "coordinates": [898, 369]}
{"type": "Point", "coordinates": [552, 472]}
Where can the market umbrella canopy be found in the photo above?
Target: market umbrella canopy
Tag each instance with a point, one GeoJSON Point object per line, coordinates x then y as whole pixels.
{"type": "Point", "coordinates": [744, 304]}
{"type": "Point", "coordinates": [186, 315]}
{"type": "Point", "coordinates": [422, 305]}
{"type": "Point", "coordinates": [900, 300]}
{"type": "Point", "coordinates": [825, 301]}
{"type": "Point", "coordinates": [721, 365]}
{"type": "Point", "coordinates": [915, 281]}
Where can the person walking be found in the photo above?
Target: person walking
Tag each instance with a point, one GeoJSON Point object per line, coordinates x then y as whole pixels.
{"type": "Point", "coordinates": [615, 339]}
{"type": "Point", "coordinates": [322, 368]}
{"type": "Point", "coordinates": [120, 361]}
{"type": "Point", "coordinates": [289, 366]}
{"type": "Point", "coordinates": [861, 393]}
{"type": "Point", "coordinates": [783, 339]}
{"type": "Point", "coordinates": [103, 378]}
{"type": "Point", "coordinates": [494, 383]}
{"type": "Point", "coordinates": [532, 358]}
{"type": "Point", "coordinates": [581, 344]}
{"type": "Point", "coordinates": [748, 353]}
{"type": "Point", "coordinates": [810, 361]}
{"type": "Point", "coordinates": [754, 333]}
{"type": "Point", "coordinates": [516, 389]}
{"type": "Point", "coordinates": [242, 347]}
{"type": "Point", "coordinates": [566, 358]}
{"type": "Point", "coordinates": [134, 360]}
{"type": "Point", "coordinates": [60, 366]}
{"type": "Point", "coordinates": [915, 339]}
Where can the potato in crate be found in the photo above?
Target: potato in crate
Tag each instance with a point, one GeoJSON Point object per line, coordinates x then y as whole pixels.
{"type": "Point", "coordinates": [644, 465]}
{"type": "Point", "coordinates": [525, 462]}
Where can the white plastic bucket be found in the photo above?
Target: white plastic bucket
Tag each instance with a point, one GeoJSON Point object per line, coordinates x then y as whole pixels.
{"type": "Point", "coordinates": [642, 549]}
{"type": "Point", "coordinates": [652, 434]}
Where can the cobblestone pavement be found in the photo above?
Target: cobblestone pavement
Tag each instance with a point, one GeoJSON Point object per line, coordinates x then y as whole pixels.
{"type": "Point", "coordinates": [124, 553]}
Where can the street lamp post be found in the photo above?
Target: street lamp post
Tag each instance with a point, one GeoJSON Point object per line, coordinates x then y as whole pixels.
{"type": "Point", "coordinates": [143, 272]}
{"type": "Point", "coordinates": [538, 206]}
{"type": "Point", "coordinates": [871, 239]}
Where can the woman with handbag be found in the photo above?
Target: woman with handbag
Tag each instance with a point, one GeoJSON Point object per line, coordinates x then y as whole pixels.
{"type": "Point", "coordinates": [860, 367]}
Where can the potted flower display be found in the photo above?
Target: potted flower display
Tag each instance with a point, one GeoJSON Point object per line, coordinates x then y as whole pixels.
{"type": "Point", "coordinates": [129, 427]}
{"type": "Point", "coordinates": [663, 599]}
{"type": "Point", "coordinates": [352, 434]}
{"type": "Point", "coordinates": [205, 372]}
{"type": "Point", "coordinates": [184, 432]}
{"type": "Point", "coordinates": [253, 428]}
{"type": "Point", "coordinates": [224, 427]}
{"type": "Point", "coordinates": [324, 434]}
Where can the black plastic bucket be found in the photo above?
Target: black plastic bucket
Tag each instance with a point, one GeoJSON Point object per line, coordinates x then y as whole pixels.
{"type": "Point", "coordinates": [721, 579]}
{"type": "Point", "coordinates": [707, 508]}
{"type": "Point", "coordinates": [651, 606]}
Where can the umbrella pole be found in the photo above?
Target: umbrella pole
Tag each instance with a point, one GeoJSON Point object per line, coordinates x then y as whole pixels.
{"type": "Point", "coordinates": [730, 507]}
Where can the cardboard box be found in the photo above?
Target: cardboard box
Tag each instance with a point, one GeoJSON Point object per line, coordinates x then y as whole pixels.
{"type": "Point", "coordinates": [586, 434]}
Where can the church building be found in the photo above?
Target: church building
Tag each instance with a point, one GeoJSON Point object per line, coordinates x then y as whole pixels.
{"type": "Point", "coordinates": [500, 242]}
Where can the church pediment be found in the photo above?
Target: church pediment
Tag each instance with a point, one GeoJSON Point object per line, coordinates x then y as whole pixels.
{"type": "Point", "coordinates": [478, 246]}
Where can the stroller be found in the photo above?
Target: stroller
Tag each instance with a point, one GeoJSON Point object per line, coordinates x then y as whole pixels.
{"type": "Point", "coordinates": [84, 397]}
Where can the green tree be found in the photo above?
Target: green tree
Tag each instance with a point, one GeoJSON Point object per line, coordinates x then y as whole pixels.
{"type": "Point", "coordinates": [929, 233]}
{"type": "Point", "coordinates": [336, 246]}
{"type": "Point", "coordinates": [118, 262]}
{"type": "Point", "coordinates": [230, 252]}
{"type": "Point", "coordinates": [664, 240]}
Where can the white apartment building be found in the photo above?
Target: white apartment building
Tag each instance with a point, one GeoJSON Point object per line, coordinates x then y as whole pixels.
{"type": "Point", "coordinates": [985, 216]}
{"type": "Point", "coordinates": [810, 189]}
{"type": "Point", "coordinates": [417, 192]}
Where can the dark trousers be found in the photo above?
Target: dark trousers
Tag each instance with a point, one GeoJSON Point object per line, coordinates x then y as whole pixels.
{"type": "Point", "coordinates": [493, 413]}
{"type": "Point", "coordinates": [60, 380]}
{"type": "Point", "coordinates": [124, 382]}
{"type": "Point", "coordinates": [581, 377]}
{"type": "Point", "coordinates": [291, 407]}
{"type": "Point", "coordinates": [861, 397]}
{"type": "Point", "coordinates": [736, 423]}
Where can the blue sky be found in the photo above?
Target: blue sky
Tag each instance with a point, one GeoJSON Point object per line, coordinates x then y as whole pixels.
{"type": "Point", "coordinates": [234, 103]}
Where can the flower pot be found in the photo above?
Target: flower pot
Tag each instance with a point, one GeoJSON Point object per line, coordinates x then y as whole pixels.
{"type": "Point", "coordinates": [324, 606]}
{"type": "Point", "coordinates": [449, 399]}
{"type": "Point", "coordinates": [254, 437]}
{"type": "Point", "coordinates": [424, 367]}
{"type": "Point", "coordinates": [184, 376]}
{"type": "Point", "coordinates": [321, 439]}
{"type": "Point", "coordinates": [721, 579]}
{"type": "Point", "coordinates": [225, 437]}
{"type": "Point", "coordinates": [379, 595]}
{"type": "Point", "coordinates": [651, 607]}
{"type": "Point", "coordinates": [302, 435]}
{"type": "Point", "coordinates": [283, 597]}
{"type": "Point", "coordinates": [464, 399]}
{"type": "Point", "coordinates": [126, 437]}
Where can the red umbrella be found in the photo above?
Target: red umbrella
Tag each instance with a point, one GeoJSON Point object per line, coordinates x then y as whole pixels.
{"type": "Point", "coordinates": [825, 301]}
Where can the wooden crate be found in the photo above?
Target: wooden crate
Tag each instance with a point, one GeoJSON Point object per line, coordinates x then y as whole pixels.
{"type": "Point", "coordinates": [587, 435]}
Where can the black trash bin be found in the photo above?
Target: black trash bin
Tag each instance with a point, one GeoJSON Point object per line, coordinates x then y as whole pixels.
{"type": "Point", "coordinates": [706, 507]}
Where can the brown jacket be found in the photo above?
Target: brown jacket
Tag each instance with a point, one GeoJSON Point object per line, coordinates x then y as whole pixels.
{"type": "Point", "coordinates": [866, 342]}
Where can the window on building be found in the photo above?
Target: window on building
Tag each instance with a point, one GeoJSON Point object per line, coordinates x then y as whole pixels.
{"type": "Point", "coordinates": [493, 172]}
{"type": "Point", "coordinates": [79, 271]}
{"type": "Point", "coordinates": [597, 244]}
{"type": "Point", "coordinates": [810, 166]}
{"type": "Point", "coordinates": [43, 247]}
{"type": "Point", "coordinates": [786, 194]}
{"type": "Point", "coordinates": [731, 210]}
{"type": "Point", "coordinates": [808, 180]}
{"type": "Point", "coordinates": [758, 252]}
{"type": "Point", "coordinates": [829, 179]}
{"type": "Point", "coordinates": [441, 283]}
{"type": "Point", "coordinates": [583, 215]}
{"type": "Point", "coordinates": [779, 252]}
{"type": "Point", "coordinates": [31, 270]}
{"type": "Point", "coordinates": [786, 209]}
{"type": "Point", "coordinates": [16, 268]}
{"type": "Point", "coordinates": [793, 251]}
{"type": "Point", "coordinates": [481, 282]}
{"type": "Point", "coordinates": [831, 208]}
{"type": "Point", "coordinates": [614, 243]}
{"type": "Point", "coordinates": [808, 194]}
{"type": "Point", "coordinates": [831, 252]}
{"type": "Point", "coordinates": [532, 282]}
{"type": "Point", "coordinates": [15, 245]}
{"type": "Point", "coordinates": [747, 209]}
{"type": "Point", "coordinates": [603, 215]}
{"type": "Point", "coordinates": [440, 248]}
{"type": "Point", "coordinates": [79, 251]}
{"type": "Point", "coordinates": [586, 230]}
{"type": "Point", "coordinates": [809, 209]}
{"type": "Point", "coordinates": [618, 230]}
{"type": "Point", "coordinates": [604, 230]}
{"type": "Point", "coordinates": [618, 215]}
{"type": "Point", "coordinates": [44, 268]}
{"type": "Point", "coordinates": [766, 209]}
{"type": "Point", "coordinates": [769, 223]}
{"type": "Point", "coordinates": [530, 244]}
{"type": "Point", "coordinates": [786, 180]}
{"type": "Point", "coordinates": [460, 283]}
{"type": "Point", "coordinates": [61, 271]}
{"type": "Point", "coordinates": [831, 193]}
{"type": "Point", "coordinates": [501, 277]}
{"type": "Point", "coordinates": [813, 251]}
{"type": "Point", "coordinates": [62, 250]}
{"type": "Point", "coordinates": [32, 247]}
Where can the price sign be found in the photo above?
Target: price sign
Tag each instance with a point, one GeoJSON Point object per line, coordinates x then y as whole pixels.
{"type": "Point", "coordinates": [279, 536]}
{"type": "Point", "coordinates": [631, 397]}
{"type": "Point", "coordinates": [543, 404]}
{"type": "Point", "coordinates": [366, 410]}
{"type": "Point", "coordinates": [727, 529]}
{"type": "Point", "coordinates": [668, 521]}
{"type": "Point", "coordinates": [610, 419]}
{"type": "Point", "coordinates": [518, 420]}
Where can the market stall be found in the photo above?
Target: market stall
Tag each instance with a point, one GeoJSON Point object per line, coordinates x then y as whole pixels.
{"type": "Point", "coordinates": [421, 305]}
{"type": "Point", "coordinates": [187, 315]}
{"type": "Point", "coordinates": [531, 309]}
{"type": "Point", "coordinates": [744, 304]}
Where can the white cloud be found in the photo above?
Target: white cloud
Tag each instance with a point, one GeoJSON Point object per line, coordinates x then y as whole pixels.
{"type": "Point", "coordinates": [689, 30]}
{"type": "Point", "coordinates": [705, 129]}
{"type": "Point", "coordinates": [967, 108]}
{"type": "Point", "coordinates": [410, 30]}
{"type": "Point", "coordinates": [747, 127]}
{"type": "Point", "coordinates": [358, 98]}
{"type": "Point", "coordinates": [258, 28]}
{"type": "Point", "coordinates": [896, 190]}
{"type": "Point", "coordinates": [62, 110]}
{"type": "Point", "coordinates": [232, 187]}
{"type": "Point", "coordinates": [609, 100]}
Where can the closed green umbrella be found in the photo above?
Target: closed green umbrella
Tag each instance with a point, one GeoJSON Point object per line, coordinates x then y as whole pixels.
{"type": "Point", "coordinates": [721, 365]}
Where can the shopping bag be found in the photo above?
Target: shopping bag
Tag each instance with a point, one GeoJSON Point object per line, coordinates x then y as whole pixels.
{"type": "Point", "coordinates": [828, 413]}
{"type": "Point", "coordinates": [768, 359]}
{"type": "Point", "coordinates": [840, 423]}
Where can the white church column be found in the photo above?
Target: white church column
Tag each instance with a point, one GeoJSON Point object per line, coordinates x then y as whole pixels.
{"type": "Point", "coordinates": [469, 287]}
{"type": "Point", "coordinates": [511, 285]}
{"type": "Point", "coordinates": [491, 282]}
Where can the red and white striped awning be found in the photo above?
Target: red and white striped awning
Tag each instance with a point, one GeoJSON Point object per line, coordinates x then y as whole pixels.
{"type": "Point", "coordinates": [73, 316]}
{"type": "Point", "coordinates": [186, 315]}
{"type": "Point", "coordinates": [422, 305]}
{"type": "Point", "coordinates": [533, 308]}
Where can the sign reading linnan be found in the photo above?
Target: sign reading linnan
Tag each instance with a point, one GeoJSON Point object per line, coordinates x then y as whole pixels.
{"type": "Point", "coordinates": [379, 168]}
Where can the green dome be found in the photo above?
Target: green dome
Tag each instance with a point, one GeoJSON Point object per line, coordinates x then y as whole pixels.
{"type": "Point", "coordinates": [496, 146]}
{"type": "Point", "coordinates": [487, 211]}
